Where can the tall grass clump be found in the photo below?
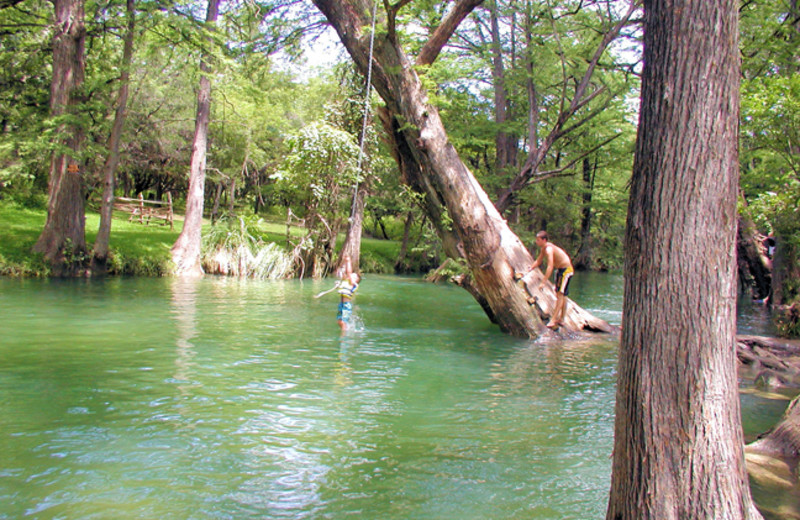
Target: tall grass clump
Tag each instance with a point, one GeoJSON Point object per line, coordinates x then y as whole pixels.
{"type": "Point", "coordinates": [233, 247]}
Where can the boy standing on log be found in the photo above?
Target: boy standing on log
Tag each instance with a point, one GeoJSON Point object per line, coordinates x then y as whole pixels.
{"type": "Point", "coordinates": [559, 260]}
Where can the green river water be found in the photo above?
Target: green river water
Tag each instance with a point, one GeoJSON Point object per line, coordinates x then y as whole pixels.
{"type": "Point", "coordinates": [226, 399]}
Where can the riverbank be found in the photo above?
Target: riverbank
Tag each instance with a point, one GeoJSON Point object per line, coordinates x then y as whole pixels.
{"type": "Point", "coordinates": [137, 249]}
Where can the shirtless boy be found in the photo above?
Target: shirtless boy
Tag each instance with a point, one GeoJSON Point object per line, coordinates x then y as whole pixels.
{"type": "Point", "coordinates": [558, 260]}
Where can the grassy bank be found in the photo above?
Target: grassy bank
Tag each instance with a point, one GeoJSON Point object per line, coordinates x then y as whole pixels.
{"type": "Point", "coordinates": [138, 249]}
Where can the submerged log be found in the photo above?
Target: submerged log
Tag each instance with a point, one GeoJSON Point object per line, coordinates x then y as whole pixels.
{"type": "Point", "coordinates": [770, 362]}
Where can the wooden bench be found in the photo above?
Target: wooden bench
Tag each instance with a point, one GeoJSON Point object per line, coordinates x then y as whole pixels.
{"type": "Point", "coordinates": [146, 209]}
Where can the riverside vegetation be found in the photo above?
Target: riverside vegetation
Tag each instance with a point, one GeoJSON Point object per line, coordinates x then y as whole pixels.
{"type": "Point", "coordinates": [249, 247]}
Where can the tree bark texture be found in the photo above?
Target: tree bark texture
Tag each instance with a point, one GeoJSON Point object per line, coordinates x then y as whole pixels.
{"type": "Point", "coordinates": [63, 234]}
{"type": "Point", "coordinates": [186, 250]}
{"type": "Point", "coordinates": [678, 442]}
{"type": "Point", "coordinates": [101, 243]}
{"type": "Point", "coordinates": [463, 215]}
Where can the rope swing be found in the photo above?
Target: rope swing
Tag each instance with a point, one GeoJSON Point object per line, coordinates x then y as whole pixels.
{"type": "Point", "coordinates": [368, 90]}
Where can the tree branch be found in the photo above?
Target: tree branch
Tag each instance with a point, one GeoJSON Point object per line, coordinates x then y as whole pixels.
{"type": "Point", "coordinates": [579, 100]}
{"type": "Point", "coordinates": [559, 172]}
{"type": "Point", "coordinates": [442, 34]}
{"type": "Point", "coordinates": [391, 17]}
{"type": "Point", "coordinates": [8, 3]}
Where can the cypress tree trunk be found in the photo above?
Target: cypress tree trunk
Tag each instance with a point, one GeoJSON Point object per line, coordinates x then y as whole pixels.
{"type": "Point", "coordinates": [400, 264]}
{"type": "Point", "coordinates": [781, 443]}
{"type": "Point", "coordinates": [63, 240]}
{"type": "Point", "coordinates": [100, 250]}
{"type": "Point", "coordinates": [505, 142]}
{"type": "Point", "coordinates": [678, 443]}
{"type": "Point", "coordinates": [186, 250]}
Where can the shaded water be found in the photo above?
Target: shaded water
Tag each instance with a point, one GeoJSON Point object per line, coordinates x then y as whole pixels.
{"type": "Point", "coordinates": [219, 398]}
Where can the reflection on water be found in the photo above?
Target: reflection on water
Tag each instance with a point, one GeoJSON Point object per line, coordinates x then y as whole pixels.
{"type": "Point", "coordinates": [184, 294]}
{"type": "Point", "coordinates": [224, 398]}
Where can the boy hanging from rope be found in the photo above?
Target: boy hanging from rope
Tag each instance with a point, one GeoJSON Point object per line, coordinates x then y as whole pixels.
{"type": "Point", "coordinates": [346, 287]}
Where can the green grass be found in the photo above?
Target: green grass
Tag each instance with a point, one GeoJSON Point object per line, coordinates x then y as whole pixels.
{"type": "Point", "coordinates": [138, 249]}
{"type": "Point", "coordinates": [20, 229]}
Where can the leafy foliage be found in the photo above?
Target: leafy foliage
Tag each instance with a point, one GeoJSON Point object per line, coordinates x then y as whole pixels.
{"type": "Point", "coordinates": [320, 166]}
{"type": "Point", "coordinates": [770, 134]}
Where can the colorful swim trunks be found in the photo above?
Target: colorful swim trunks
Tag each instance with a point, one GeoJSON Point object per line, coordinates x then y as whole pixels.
{"type": "Point", "coordinates": [344, 312]}
{"type": "Point", "coordinates": [563, 276]}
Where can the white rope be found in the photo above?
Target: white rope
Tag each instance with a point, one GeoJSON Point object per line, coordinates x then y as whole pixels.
{"type": "Point", "coordinates": [366, 107]}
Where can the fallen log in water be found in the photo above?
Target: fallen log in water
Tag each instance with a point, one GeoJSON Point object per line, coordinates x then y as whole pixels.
{"type": "Point", "coordinates": [770, 362]}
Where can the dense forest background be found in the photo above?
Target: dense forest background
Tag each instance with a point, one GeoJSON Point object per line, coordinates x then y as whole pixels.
{"type": "Point", "coordinates": [540, 101]}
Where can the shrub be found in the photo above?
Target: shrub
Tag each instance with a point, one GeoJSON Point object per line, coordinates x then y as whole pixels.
{"type": "Point", "coordinates": [233, 247]}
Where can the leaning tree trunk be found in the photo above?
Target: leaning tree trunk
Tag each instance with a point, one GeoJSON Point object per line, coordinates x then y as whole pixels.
{"type": "Point", "coordinates": [101, 243]}
{"type": "Point", "coordinates": [63, 240]}
{"type": "Point", "coordinates": [429, 162]}
{"type": "Point", "coordinates": [186, 250]}
{"type": "Point", "coordinates": [678, 442]}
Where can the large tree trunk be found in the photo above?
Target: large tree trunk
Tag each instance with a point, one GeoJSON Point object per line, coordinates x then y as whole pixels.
{"type": "Point", "coordinates": [678, 442]}
{"type": "Point", "coordinates": [473, 228]}
{"type": "Point", "coordinates": [63, 240]}
{"type": "Point", "coordinates": [100, 251]}
{"type": "Point", "coordinates": [186, 250]}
